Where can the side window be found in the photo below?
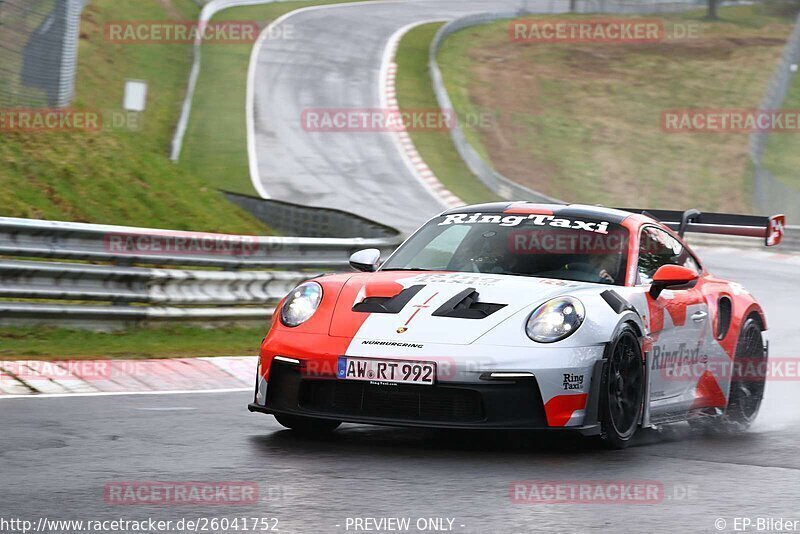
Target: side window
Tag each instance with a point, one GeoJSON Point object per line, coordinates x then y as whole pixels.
{"type": "Point", "coordinates": [657, 248]}
{"type": "Point", "coordinates": [690, 262]}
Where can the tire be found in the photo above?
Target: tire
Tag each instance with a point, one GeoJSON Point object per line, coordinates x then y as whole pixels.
{"type": "Point", "coordinates": [747, 388]}
{"type": "Point", "coordinates": [308, 425]}
{"type": "Point", "coordinates": [622, 390]}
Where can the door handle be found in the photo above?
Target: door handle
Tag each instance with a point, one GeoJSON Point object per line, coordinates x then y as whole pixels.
{"type": "Point", "coordinates": [699, 316]}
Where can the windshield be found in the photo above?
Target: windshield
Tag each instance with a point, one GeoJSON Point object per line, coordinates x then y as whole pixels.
{"type": "Point", "coordinates": [522, 245]}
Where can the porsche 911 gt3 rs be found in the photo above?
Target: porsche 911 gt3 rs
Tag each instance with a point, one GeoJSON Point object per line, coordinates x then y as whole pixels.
{"type": "Point", "coordinates": [516, 315]}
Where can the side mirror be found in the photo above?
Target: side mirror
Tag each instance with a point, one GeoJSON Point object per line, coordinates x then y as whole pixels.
{"type": "Point", "coordinates": [366, 260]}
{"type": "Point", "coordinates": [672, 276]}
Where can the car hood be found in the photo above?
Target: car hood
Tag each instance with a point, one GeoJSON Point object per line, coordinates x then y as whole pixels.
{"type": "Point", "coordinates": [451, 308]}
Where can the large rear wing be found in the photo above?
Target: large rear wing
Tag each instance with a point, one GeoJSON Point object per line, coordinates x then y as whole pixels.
{"type": "Point", "coordinates": [770, 229]}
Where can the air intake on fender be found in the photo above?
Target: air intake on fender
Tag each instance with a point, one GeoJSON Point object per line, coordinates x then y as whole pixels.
{"type": "Point", "coordinates": [393, 304]}
{"type": "Point", "coordinates": [465, 305]}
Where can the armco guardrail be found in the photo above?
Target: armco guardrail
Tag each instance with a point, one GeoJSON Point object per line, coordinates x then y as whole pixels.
{"type": "Point", "coordinates": [790, 243]}
{"type": "Point", "coordinates": [297, 219]}
{"type": "Point", "coordinates": [771, 193]}
{"type": "Point", "coordinates": [128, 245]}
{"type": "Point", "coordinates": [122, 291]}
{"type": "Point", "coordinates": [45, 280]}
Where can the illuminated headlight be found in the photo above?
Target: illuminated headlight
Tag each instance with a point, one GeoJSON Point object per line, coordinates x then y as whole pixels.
{"type": "Point", "coordinates": [555, 320]}
{"type": "Point", "coordinates": [301, 304]}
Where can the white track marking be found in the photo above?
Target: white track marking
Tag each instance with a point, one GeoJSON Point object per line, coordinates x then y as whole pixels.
{"type": "Point", "coordinates": [168, 409]}
{"type": "Point", "coordinates": [118, 393]}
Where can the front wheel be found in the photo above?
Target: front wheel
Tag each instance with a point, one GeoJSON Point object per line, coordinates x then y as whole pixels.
{"type": "Point", "coordinates": [308, 425]}
{"type": "Point", "coordinates": [622, 390]}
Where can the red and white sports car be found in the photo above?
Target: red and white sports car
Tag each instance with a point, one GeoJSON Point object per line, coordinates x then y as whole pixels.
{"type": "Point", "coordinates": [516, 315]}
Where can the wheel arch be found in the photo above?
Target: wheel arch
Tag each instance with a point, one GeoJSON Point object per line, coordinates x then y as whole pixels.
{"type": "Point", "coordinates": [633, 320]}
{"type": "Point", "coordinates": [756, 313]}
{"type": "Point", "coordinates": [746, 306]}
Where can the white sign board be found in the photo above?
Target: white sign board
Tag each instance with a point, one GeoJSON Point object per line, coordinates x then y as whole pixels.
{"type": "Point", "coordinates": [135, 95]}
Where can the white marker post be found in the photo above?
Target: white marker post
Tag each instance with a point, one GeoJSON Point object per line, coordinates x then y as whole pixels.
{"type": "Point", "coordinates": [135, 95]}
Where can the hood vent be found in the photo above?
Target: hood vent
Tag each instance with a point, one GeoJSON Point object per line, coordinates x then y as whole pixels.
{"type": "Point", "coordinates": [393, 304]}
{"type": "Point", "coordinates": [465, 305]}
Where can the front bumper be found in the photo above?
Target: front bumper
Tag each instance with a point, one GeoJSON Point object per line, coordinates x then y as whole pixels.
{"type": "Point", "coordinates": [497, 405]}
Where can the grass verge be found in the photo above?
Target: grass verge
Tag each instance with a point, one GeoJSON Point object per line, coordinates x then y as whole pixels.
{"type": "Point", "coordinates": [122, 173]}
{"type": "Point", "coordinates": [415, 92]}
{"type": "Point", "coordinates": [150, 342]}
{"type": "Point", "coordinates": [582, 121]}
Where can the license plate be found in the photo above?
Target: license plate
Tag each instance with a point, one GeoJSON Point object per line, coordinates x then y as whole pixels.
{"type": "Point", "coordinates": [390, 371]}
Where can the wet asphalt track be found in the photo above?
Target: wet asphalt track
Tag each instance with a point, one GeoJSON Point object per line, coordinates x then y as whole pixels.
{"type": "Point", "coordinates": [56, 455]}
{"type": "Point", "coordinates": [332, 62]}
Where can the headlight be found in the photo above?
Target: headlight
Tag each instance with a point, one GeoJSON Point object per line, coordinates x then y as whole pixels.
{"type": "Point", "coordinates": [301, 304]}
{"type": "Point", "coordinates": [555, 320]}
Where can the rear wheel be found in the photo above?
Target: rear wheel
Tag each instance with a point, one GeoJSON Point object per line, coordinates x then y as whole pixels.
{"type": "Point", "coordinates": [622, 391]}
{"type": "Point", "coordinates": [308, 425]}
{"type": "Point", "coordinates": [748, 380]}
